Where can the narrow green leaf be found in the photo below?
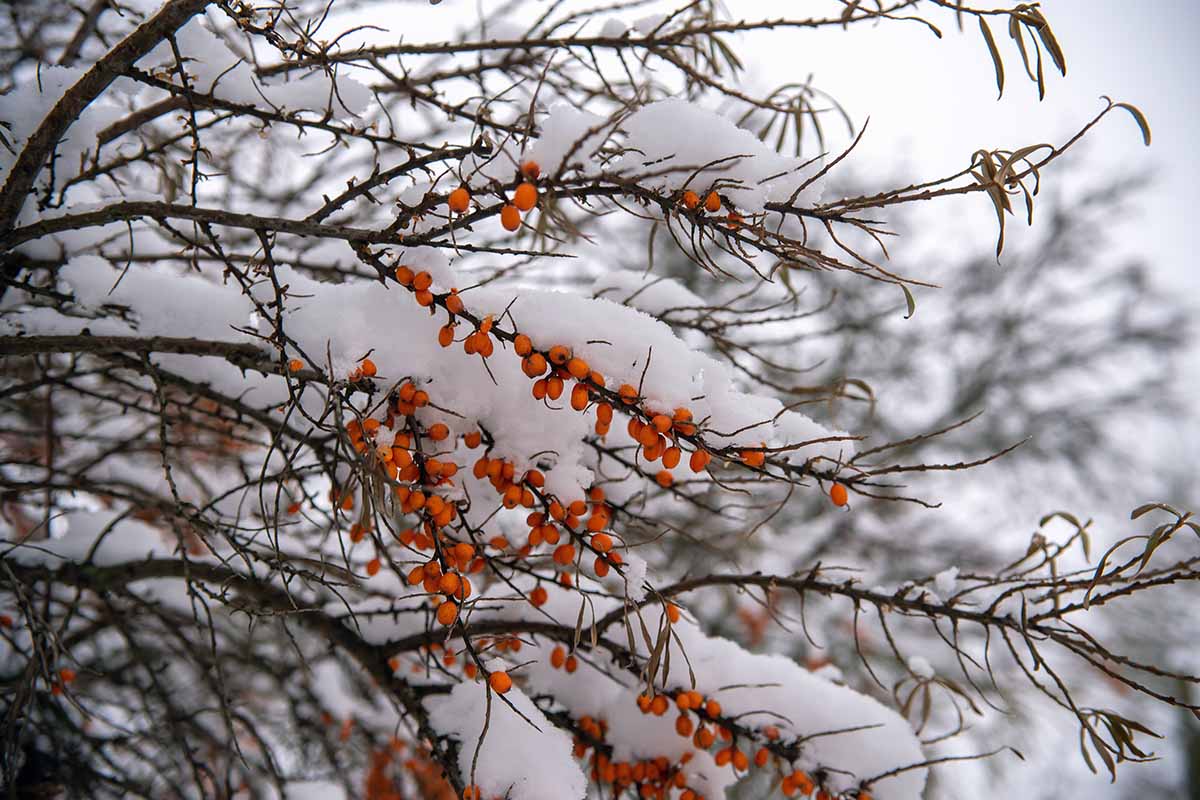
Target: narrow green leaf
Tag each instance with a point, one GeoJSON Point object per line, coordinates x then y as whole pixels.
{"type": "Point", "coordinates": [910, 301]}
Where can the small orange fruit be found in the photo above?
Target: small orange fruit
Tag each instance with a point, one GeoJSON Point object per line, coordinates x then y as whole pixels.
{"type": "Point", "coordinates": [510, 217]}
{"type": "Point", "coordinates": [446, 612]}
{"type": "Point", "coordinates": [460, 200]}
{"type": "Point", "coordinates": [525, 197]}
{"type": "Point", "coordinates": [500, 682]}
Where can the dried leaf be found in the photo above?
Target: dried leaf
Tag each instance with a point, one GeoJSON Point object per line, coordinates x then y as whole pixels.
{"type": "Point", "coordinates": [995, 53]}
{"type": "Point", "coordinates": [1139, 118]}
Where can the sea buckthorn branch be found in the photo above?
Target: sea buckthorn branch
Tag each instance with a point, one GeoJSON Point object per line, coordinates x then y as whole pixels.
{"type": "Point", "coordinates": [29, 162]}
{"type": "Point", "coordinates": [766, 738]}
{"type": "Point", "coordinates": [192, 453]}
{"type": "Point", "coordinates": [1073, 638]}
{"type": "Point", "coordinates": [699, 25]}
{"type": "Point", "coordinates": [267, 599]}
{"type": "Point", "coordinates": [625, 398]}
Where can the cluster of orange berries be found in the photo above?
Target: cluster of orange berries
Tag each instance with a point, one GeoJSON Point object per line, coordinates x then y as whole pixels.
{"type": "Point", "coordinates": [449, 588]}
{"type": "Point", "coordinates": [560, 660]}
{"type": "Point", "coordinates": [444, 577]}
{"type": "Point", "coordinates": [712, 204]}
{"type": "Point", "coordinates": [651, 431]}
{"type": "Point", "coordinates": [524, 198]}
{"type": "Point", "coordinates": [382, 779]}
{"type": "Point", "coordinates": [66, 676]}
{"type": "Point", "coordinates": [648, 427]}
{"type": "Point", "coordinates": [379, 785]}
{"type": "Point", "coordinates": [707, 729]}
{"type": "Point", "coordinates": [691, 201]}
{"type": "Point", "coordinates": [654, 778]}
{"type": "Point", "coordinates": [528, 492]}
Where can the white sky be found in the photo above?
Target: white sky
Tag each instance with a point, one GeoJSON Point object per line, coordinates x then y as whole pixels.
{"type": "Point", "coordinates": [932, 103]}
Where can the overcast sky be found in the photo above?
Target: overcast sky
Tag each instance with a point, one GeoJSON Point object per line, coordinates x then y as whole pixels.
{"type": "Point", "coordinates": [933, 102]}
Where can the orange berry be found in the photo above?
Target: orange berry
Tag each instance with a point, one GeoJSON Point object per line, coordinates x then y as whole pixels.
{"type": "Point", "coordinates": [839, 495]}
{"type": "Point", "coordinates": [472, 439]}
{"type": "Point", "coordinates": [438, 432]}
{"type": "Point", "coordinates": [691, 199]}
{"type": "Point", "coordinates": [571, 664]}
{"type": "Point", "coordinates": [510, 217]}
{"type": "Point", "coordinates": [446, 612]}
{"type": "Point", "coordinates": [454, 303]}
{"type": "Point", "coordinates": [373, 567]}
{"type": "Point", "coordinates": [627, 393]}
{"type": "Point", "coordinates": [579, 397]}
{"type": "Point", "coordinates": [664, 478]}
{"type": "Point", "coordinates": [559, 355]}
{"type": "Point", "coordinates": [534, 365]}
{"type": "Point", "coordinates": [712, 203]}
{"type": "Point", "coordinates": [753, 458]}
{"type": "Point", "coordinates": [295, 365]}
{"type": "Point", "coordinates": [712, 708]}
{"type": "Point", "coordinates": [578, 368]}
{"type": "Point", "coordinates": [683, 725]}
{"type": "Point", "coordinates": [699, 461]}
{"type": "Point", "coordinates": [672, 612]}
{"type": "Point", "coordinates": [558, 657]}
{"type": "Point", "coordinates": [538, 597]}
{"type": "Point", "coordinates": [761, 757]}
{"type": "Point", "coordinates": [522, 345]}
{"type": "Point", "coordinates": [424, 298]}
{"type": "Point", "coordinates": [460, 200]}
{"type": "Point", "coordinates": [449, 583]}
{"type": "Point", "coordinates": [368, 367]}
{"type": "Point", "coordinates": [500, 682]}
{"type": "Point", "coordinates": [564, 554]}
{"type": "Point", "coordinates": [67, 675]}
{"type": "Point", "coordinates": [531, 170]}
{"type": "Point", "coordinates": [670, 457]}
{"type": "Point", "coordinates": [602, 543]}
{"type": "Point", "coordinates": [601, 567]}
{"type": "Point", "coordinates": [446, 335]}
{"type": "Point", "coordinates": [802, 781]}
{"type": "Point", "coordinates": [525, 197]}
{"type": "Point", "coordinates": [422, 281]}
{"type": "Point", "coordinates": [404, 275]}
{"type": "Point", "coordinates": [740, 761]}
{"type": "Point", "coordinates": [659, 705]}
